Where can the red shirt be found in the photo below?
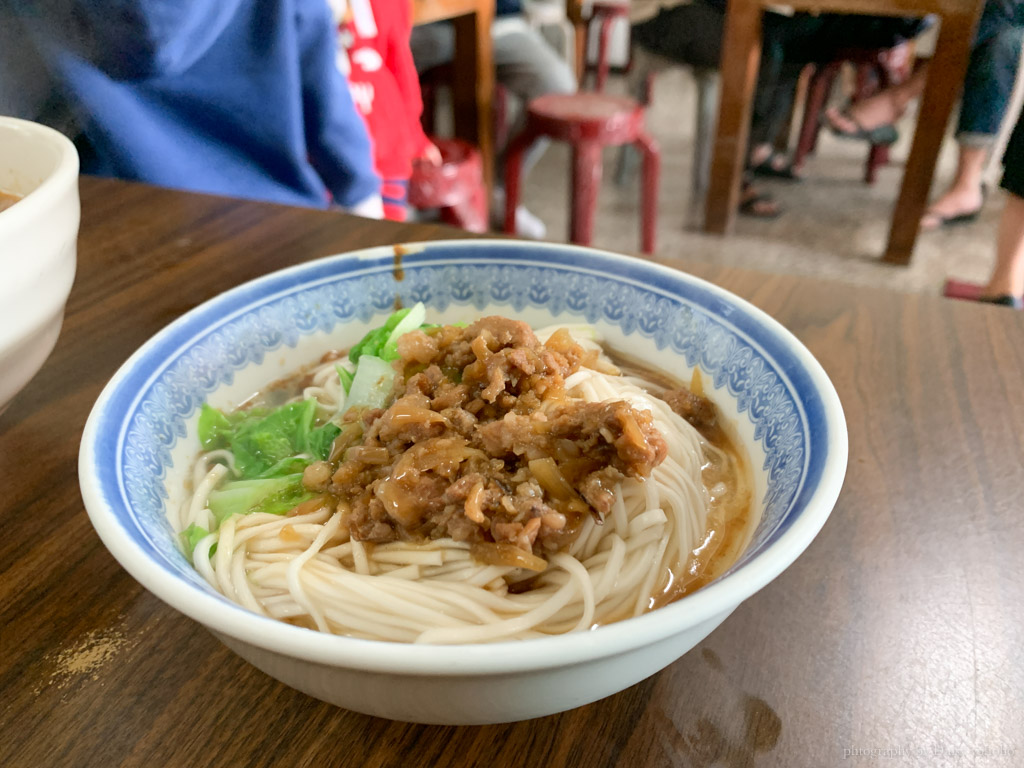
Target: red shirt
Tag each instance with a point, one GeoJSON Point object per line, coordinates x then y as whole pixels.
{"type": "Point", "coordinates": [375, 54]}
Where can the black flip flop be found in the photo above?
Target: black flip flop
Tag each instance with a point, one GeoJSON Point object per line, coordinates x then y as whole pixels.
{"type": "Point", "coordinates": [959, 218]}
{"type": "Point", "coordinates": [882, 135]}
{"type": "Point", "coordinates": [748, 206]}
{"type": "Point", "coordinates": [1004, 300]}
{"type": "Point", "coordinates": [768, 171]}
{"type": "Point", "coordinates": [952, 221]}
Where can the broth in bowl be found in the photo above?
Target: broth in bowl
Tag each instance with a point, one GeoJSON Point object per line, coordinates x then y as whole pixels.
{"type": "Point", "coordinates": [7, 200]}
{"type": "Point", "coordinates": [465, 483]}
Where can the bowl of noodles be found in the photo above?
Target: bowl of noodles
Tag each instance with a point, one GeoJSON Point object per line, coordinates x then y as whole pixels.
{"type": "Point", "coordinates": [464, 482]}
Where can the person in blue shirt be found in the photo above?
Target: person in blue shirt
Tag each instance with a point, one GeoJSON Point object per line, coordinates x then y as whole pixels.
{"type": "Point", "coordinates": [234, 97]}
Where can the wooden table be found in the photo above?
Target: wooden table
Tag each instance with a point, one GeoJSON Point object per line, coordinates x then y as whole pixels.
{"type": "Point", "coordinates": [473, 85]}
{"type": "Point", "coordinates": [902, 626]}
{"type": "Point", "coordinates": [741, 51]}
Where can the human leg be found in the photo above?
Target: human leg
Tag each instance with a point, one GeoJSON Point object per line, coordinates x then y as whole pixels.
{"type": "Point", "coordinates": [1006, 282]}
{"type": "Point", "coordinates": [1007, 278]}
{"type": "Point", "coordinates": [432, 45]}
{"type": "Point", "coordinates": [528, 67]}
{"type": "Point", "coordinates": [689, 34]}
{"type": "Point", "coordinates": [395, 195]}
{"type": "Point", "coordinates": [988, 88]}
{"type": "Point", "coordinates": [882, 109]}
{"type": "Point", "coordinates": [962, 201]}
{"type": "Point", "coordinates": [991, 72]}
{"type": "Point", "coordinates": [770, 117]}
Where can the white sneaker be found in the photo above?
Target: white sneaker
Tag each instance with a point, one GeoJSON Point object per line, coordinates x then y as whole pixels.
{"type": "Point", "coordinates": [527, 224]}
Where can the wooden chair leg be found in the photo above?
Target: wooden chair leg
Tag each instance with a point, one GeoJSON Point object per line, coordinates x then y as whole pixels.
{"type": "Point", "coordinates": [649, 192]}
{"type": "Point", "coordinates": [580, 28]}
{"type": "Point", "coordinates": [602, 52]}
{"type": "Point", "coordinates": [586, 181]}
{"type": "Point", "coordinates": [500, 117]}
{"type": "Point", "coordinates": [707, 114]}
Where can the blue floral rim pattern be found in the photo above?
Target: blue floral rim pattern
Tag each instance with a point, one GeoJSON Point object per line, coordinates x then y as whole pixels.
{"type": "Point", "coordinates": [170, 378]}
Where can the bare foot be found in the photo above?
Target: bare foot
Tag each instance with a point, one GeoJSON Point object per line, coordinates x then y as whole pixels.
{"type": "Point", "coordinates": [757, 204]}
{"type": "Point", "coordinates": [957, 201]}
{"type": "Point", "coordinates": [883, 108]}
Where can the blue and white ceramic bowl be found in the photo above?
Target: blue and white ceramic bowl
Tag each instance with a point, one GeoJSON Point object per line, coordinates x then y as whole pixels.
{"type": "Point", "coordinates": [140, 441]}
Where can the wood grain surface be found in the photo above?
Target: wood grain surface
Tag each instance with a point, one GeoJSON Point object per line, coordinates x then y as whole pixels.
{"type": "Point", "coordinates": [899, 630]}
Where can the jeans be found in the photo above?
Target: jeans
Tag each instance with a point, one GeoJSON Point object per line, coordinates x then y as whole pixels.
{"type": "Point", "coordinates": [991, 71]}
{"type": "Point", "coordinates": [525, 64]}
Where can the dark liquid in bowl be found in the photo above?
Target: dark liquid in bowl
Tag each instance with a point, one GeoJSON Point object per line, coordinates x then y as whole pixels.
{"type": "Point", "coordinates": [7, 200]}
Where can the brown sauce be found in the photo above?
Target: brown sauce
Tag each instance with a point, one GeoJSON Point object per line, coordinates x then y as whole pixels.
{"type": "Point", "coordinates": [396, 270]}
{"type": "Point", "coordinates": [7, 200]}
{"type": "Point", "coordinates": [731, 519]}
{"type": "Point", "coordinates": [726, 473]}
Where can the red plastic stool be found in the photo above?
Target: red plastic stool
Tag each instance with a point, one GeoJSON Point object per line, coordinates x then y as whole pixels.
{"type": "Point", "coordinates": [456, 186]}
{"type": "Point", "coordinates": [606, 13]}
{"type": "Point", "coordinates": [589, 122]}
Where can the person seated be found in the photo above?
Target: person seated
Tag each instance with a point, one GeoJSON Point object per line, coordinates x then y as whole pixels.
{"type": "Point", "coordinates": [526, 65]}
{"type": "Point", "coordinates": [374, 55]}
{"type": "Point", "coordinates": [691, 33]}
{"type": "Point", "coordinates": [1005, 284]}
{"type": "Point", "coordinates": [239, 97]}
{"type": "Point", "coordinates": [988, 88]}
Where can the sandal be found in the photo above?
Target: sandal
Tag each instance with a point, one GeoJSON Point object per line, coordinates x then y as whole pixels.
{"type": "Point", "coordinates": [1004, 300]}
{"type": "Point", "coordinates": [950, 221]}
{"type": "Point", "coordinates": [758, 205]}
{"type": "Point", "coordinates": [953, 219]}
{"type": "Point", "coordinates": [954, 289]}
{"type": "Point", "coordinates": [881, 135]}
{"type": "Point", "coordinates": [768, 170]}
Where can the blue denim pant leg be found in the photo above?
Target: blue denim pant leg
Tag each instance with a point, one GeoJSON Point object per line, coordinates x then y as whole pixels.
{"type": "Point", "coordinates": [991, 72]}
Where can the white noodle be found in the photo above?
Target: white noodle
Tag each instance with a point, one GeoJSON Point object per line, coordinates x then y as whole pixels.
{"type": "Point", "coordinates": [435, 592]}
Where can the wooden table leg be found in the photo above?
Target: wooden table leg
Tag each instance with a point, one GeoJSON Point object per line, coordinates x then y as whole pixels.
{"type": "Point", "coordinates": [948, 65]}
{"type": "Point", "coordinates": [574, 12]}
{"type": "Point", "coordinates": [580, 29]}
{"type": "Point", "coordinates": [741, 53]}
{"type": "Point", "coordinates": [473, 88]}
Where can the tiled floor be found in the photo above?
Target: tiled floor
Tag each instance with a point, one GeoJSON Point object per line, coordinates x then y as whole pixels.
{"type": "Point", "coordinates": [835, 226]}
